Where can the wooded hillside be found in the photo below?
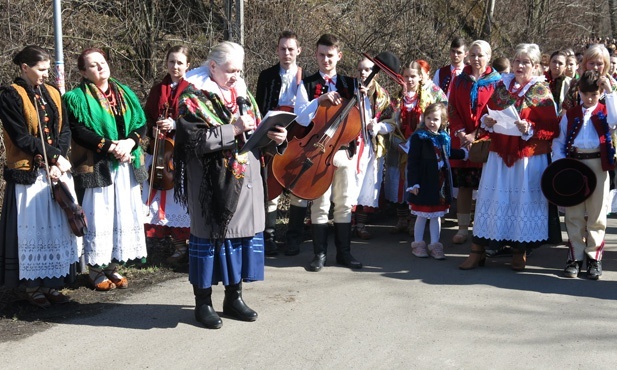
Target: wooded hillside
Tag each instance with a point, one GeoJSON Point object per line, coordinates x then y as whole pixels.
{"type": "Point", "coordinates": [136, 33]}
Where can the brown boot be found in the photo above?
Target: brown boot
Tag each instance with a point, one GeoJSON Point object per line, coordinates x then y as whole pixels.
{"type": "Point", "coordinates": [361, 229]}
{"type": "Point", "coordinates": [180, 254]}
{"type": "Point", "coordinates": [463, 224]}
{"type": "Point", "coordinates": [477, 257]}
{"type": "Point", "coordinates": [519, 260]}
{"type": "Point", "coordinates": [401, 225]}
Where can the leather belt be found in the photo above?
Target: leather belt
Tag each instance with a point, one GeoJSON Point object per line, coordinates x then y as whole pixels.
{"type": "Point", "coordinates": [285, 108]}
{"type": "Point", "coordinates": [576, 155]}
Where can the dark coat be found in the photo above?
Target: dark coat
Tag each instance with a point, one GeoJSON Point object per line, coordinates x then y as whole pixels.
{"type": "Point", "coordinates": [435, 184]}
{"type": "Point", "coordinates": [269, 88]}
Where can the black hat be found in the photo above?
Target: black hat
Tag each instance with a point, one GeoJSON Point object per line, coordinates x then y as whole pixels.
{"type": "Point", "coordinates": [389, 63]}
{"type": "Point", "coordinates": [568, 182]}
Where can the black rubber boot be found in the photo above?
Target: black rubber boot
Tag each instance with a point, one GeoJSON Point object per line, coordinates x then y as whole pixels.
{"type": "Point", "coordinates": [594, 269]}
{"type": "Point", "coordinates": [234, 306]}
{"type": "Point", "coordinates": [295, 230]}
{"type": "Point", "coordinates": [269, 235]}
{"type": "Point", "coordinates": [342, 240]}
{"type": "Point", "coordinates": [204, 312]}
{"type": "Point", "coordinates": [320, 246]}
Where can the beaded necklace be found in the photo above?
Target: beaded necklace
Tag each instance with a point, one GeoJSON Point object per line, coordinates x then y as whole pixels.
{"type": "Point", "coordinates": [111, 99]}
{"type": "Point", "coordinates": [231, 105]}
{"type": "Point", "coordinates": [409, 99]}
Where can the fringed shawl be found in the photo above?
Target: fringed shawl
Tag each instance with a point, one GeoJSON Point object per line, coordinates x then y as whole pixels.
{"type": "Point", "coordinates": [490, 77]}
{"type": "Point", "coordinates": [534, 103]}
{"type": "Point", "coordinates": [440, 139]}
{"type": "Point", "coordinates": [223, 171]}
{"type": "Point", "coordinates": [91, 107]}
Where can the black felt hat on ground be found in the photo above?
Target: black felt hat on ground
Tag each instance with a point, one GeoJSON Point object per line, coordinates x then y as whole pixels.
{"type": "Point", "coordinates": [568, 182]}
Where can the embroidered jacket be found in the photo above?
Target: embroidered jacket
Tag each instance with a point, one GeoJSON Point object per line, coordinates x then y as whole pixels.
{"type": "Point", "coordinates": [464, 112]}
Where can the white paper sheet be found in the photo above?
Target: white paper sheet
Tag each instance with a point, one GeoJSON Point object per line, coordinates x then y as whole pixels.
{"type": "Point", "coordinates": [506, 121]}
{"type": "Point", "coordinates": [404, 146]}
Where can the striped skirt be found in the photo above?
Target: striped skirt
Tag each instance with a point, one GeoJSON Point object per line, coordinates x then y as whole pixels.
{"type": "Point", "coordinates": [229, 261]}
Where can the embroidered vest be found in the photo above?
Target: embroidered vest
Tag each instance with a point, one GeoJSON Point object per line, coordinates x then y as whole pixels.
{"type": "Point", "coordinates": [16, 158]}
{"type": "Point", "coordinates": [316, 86]}
{"type": "Point", "coordinates": [598, 119]}
{"type": "Point", "coordinates": [445, 77]}
{"type": "Point", "coordinates": [272, 93]}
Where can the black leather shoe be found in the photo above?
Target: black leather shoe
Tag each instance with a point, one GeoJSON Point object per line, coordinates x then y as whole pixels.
{"type": "Point", "coordinates": [292, 249]}
{"type": "Point", "coordinates": [572, 269]}
{"type": "Point", "coordinates": [505, 251]}
{"type": "Point", "coordinates": [270, 248]}
{"type": "Point", "coordinates": [204, 313]}
{"type": "Point", "coordinates": [348, 261]}
{"type": "Point", "coordinates": [234, 306]}
{"type": "Point", "coordinates": [318, 262]}
{"type": "Point", "coordinates": [594, 269]}
{"type": "Point", "coordinates": [295, 230]}
{"type": "Point", "coordinates": [207, 315]}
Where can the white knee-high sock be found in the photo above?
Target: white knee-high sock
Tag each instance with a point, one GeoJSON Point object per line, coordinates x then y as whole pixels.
{"type": "Point", "coordinates": [435, 229]}
{"type": "Point", "coordinates": [418, 229]}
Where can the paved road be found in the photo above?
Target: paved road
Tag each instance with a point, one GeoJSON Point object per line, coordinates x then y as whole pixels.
{"type": "Point", "coordinates": [399, 312]}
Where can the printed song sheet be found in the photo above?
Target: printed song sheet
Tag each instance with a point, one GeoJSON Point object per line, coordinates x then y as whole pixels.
{"type": "Point", "coordinates": [506, 121]}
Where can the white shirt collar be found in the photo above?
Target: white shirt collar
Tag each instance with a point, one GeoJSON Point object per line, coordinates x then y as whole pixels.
{"type": "Point", "coordinates": [587, 111]}
{"type": "Point", "coordinates": [291, 71]}
{"type": "Point", "coordinates": [333, 78]}
{"type": "Point", "coordinates": [508, 78]}
{"type": "Point", "coordinates": [200, 78]}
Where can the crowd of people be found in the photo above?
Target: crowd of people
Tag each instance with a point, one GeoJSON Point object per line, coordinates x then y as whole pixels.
{"type": "Point", "coordinates": [202, 183]}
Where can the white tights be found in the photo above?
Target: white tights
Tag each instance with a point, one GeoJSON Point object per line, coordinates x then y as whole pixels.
{"type": "Point", "coordinates": [434, 228]}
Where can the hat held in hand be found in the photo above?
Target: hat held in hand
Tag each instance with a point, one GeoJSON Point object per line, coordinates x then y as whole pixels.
{"type": "Point", "coordinates": [568, 182]}
{"type": "Point", "coordinates": [389, 64]}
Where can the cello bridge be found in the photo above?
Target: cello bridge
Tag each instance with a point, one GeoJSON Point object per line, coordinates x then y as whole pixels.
{"type": "Point", "coordinates": [321, 147]}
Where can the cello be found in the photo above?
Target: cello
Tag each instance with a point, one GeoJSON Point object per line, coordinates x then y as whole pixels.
{"type": "Point", "coordinates": [306, 168]}
{"type": "Point", "coordinates": [274, 187]}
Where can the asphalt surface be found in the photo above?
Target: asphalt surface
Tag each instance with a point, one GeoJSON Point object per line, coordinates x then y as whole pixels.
{"type": "Point", "coordinates": [398, 312]}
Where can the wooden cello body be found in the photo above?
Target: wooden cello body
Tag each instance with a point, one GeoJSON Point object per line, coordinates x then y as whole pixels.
{"type": "Point", "coordinates": [306, 168]}
{"type": "Point", "coordinates": [274, 187]}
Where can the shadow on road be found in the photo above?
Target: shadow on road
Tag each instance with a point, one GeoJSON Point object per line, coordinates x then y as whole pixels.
{"type": "Point", "coordinates": [390, 256]}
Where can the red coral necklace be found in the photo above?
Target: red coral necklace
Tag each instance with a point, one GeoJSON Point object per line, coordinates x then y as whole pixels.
{"type": "Point", "coordinates": [230, 104]}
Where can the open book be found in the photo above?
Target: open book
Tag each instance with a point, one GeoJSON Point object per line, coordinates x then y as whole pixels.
{"type": "Point", "coordinates": [272, 119]}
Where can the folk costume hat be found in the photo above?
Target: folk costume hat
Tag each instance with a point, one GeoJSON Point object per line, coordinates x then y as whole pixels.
{"type": "Point", "coordinates": [388, 63]}
{"type": "Point", "coordinates": [568, 182]}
